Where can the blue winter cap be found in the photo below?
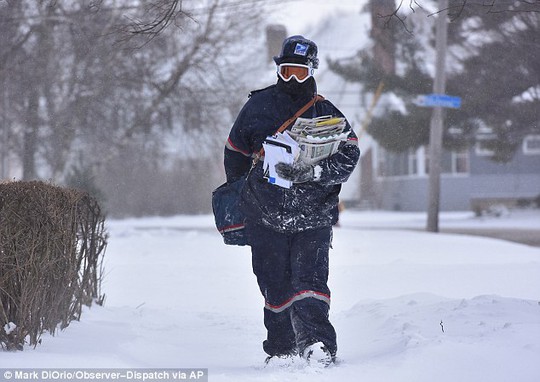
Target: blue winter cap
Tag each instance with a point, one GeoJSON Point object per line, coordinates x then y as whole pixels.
{"type": "Point", "coordinates": [298, 50]}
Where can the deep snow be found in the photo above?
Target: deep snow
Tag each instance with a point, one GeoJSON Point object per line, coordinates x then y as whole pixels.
{"type": "Point", "coordinates": [177, 297]}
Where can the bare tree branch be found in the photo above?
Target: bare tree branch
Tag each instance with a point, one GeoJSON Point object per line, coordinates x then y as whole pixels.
{"type": "Point", "coordinates": [166, 11]}
{"type": "Point", "coordinates": [456, 10]}
{"type": "Point", "coordinates": [395, 14]}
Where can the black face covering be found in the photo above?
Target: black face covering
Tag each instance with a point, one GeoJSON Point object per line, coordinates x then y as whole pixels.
{"type": "Point", "coordinates": [296, 89]}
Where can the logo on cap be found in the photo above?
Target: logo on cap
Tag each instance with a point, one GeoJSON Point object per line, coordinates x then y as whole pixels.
{"type": "Point", "coordinates": [301, 49]}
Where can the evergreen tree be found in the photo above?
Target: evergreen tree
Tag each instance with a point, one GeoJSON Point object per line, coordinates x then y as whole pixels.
{"type": "Point", "coordinates": [500, 83]}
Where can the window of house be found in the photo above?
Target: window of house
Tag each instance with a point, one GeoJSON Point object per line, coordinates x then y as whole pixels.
{"type": "Point", "coordinates": [392, 164]}
{"type": "Point", "coordinates": [531, 145]}
{"type": "Point", "coordinates": [446, 162]}
{"type": "Point", "coordinates": [452, 162]}
{"type": "Point", "coordinates": [397, 164]}
{"type": "Point", "coordinates": [413, 162]}
{"type": "Point", "coordinates": [483, 137]}
{"type": "Point", "coordinates": [460, 162]}
{"type": "Point", "coordinates": [482, 149]}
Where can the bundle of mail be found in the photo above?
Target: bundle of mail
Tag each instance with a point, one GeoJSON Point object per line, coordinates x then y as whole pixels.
{"type": "Point", "coordinates": [318, 138]}
{"type": "Point", "coordinates": [309, 141]}
{"type": "Point", "coordinates": [279, 148]}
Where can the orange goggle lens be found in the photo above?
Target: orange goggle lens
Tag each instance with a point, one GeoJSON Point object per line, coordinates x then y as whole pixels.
{"type": "Point", "coordinates": [300, 72]}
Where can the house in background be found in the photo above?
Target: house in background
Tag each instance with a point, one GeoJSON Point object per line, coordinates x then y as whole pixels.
{"type": "Point", "coordinates": [469, 179]}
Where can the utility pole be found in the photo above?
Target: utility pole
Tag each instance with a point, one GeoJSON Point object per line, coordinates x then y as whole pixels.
{"type": "Point", "coordinates": [4, 170]}
{"type": "Point", "coordinates": [436, 125]}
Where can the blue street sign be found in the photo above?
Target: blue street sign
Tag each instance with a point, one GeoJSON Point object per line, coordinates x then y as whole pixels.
{"type": "Point", "coordinates": [442, 100]}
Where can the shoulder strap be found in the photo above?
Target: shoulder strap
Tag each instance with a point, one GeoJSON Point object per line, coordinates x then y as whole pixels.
{"type": "Point", "coordinates": [301, 111]}
{"type": "Point", "coordinates": [286, 124]}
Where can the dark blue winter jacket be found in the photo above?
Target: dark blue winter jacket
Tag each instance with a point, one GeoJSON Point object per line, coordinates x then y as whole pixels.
{"type": "Point", "coordinates": [305, 205]}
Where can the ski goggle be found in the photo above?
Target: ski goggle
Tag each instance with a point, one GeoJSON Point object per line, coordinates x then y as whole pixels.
{"type": "Point", "coordinates": [300, 72]}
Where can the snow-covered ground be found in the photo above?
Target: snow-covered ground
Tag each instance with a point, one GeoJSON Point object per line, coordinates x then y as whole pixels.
{"type": "Point", "coordinates": [179, 298]}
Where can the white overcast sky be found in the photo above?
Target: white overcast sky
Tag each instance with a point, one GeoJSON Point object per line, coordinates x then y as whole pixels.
{"type": "Point", "coordinates": [298, 15]}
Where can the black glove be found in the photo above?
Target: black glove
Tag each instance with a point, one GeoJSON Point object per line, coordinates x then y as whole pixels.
{"type": "Point", "coordinates": [297, 173]}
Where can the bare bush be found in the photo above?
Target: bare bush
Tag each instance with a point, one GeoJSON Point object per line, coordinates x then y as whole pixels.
{"type": "Point", "coordinates": [52, 242]}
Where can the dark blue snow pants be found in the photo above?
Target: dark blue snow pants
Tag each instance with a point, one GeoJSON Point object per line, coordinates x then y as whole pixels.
{"type": "Point", "coordinates": [292, 273]}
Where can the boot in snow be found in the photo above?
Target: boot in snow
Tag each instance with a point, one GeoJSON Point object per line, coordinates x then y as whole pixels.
{"type": "Point", "coordinates": [318, 355]}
